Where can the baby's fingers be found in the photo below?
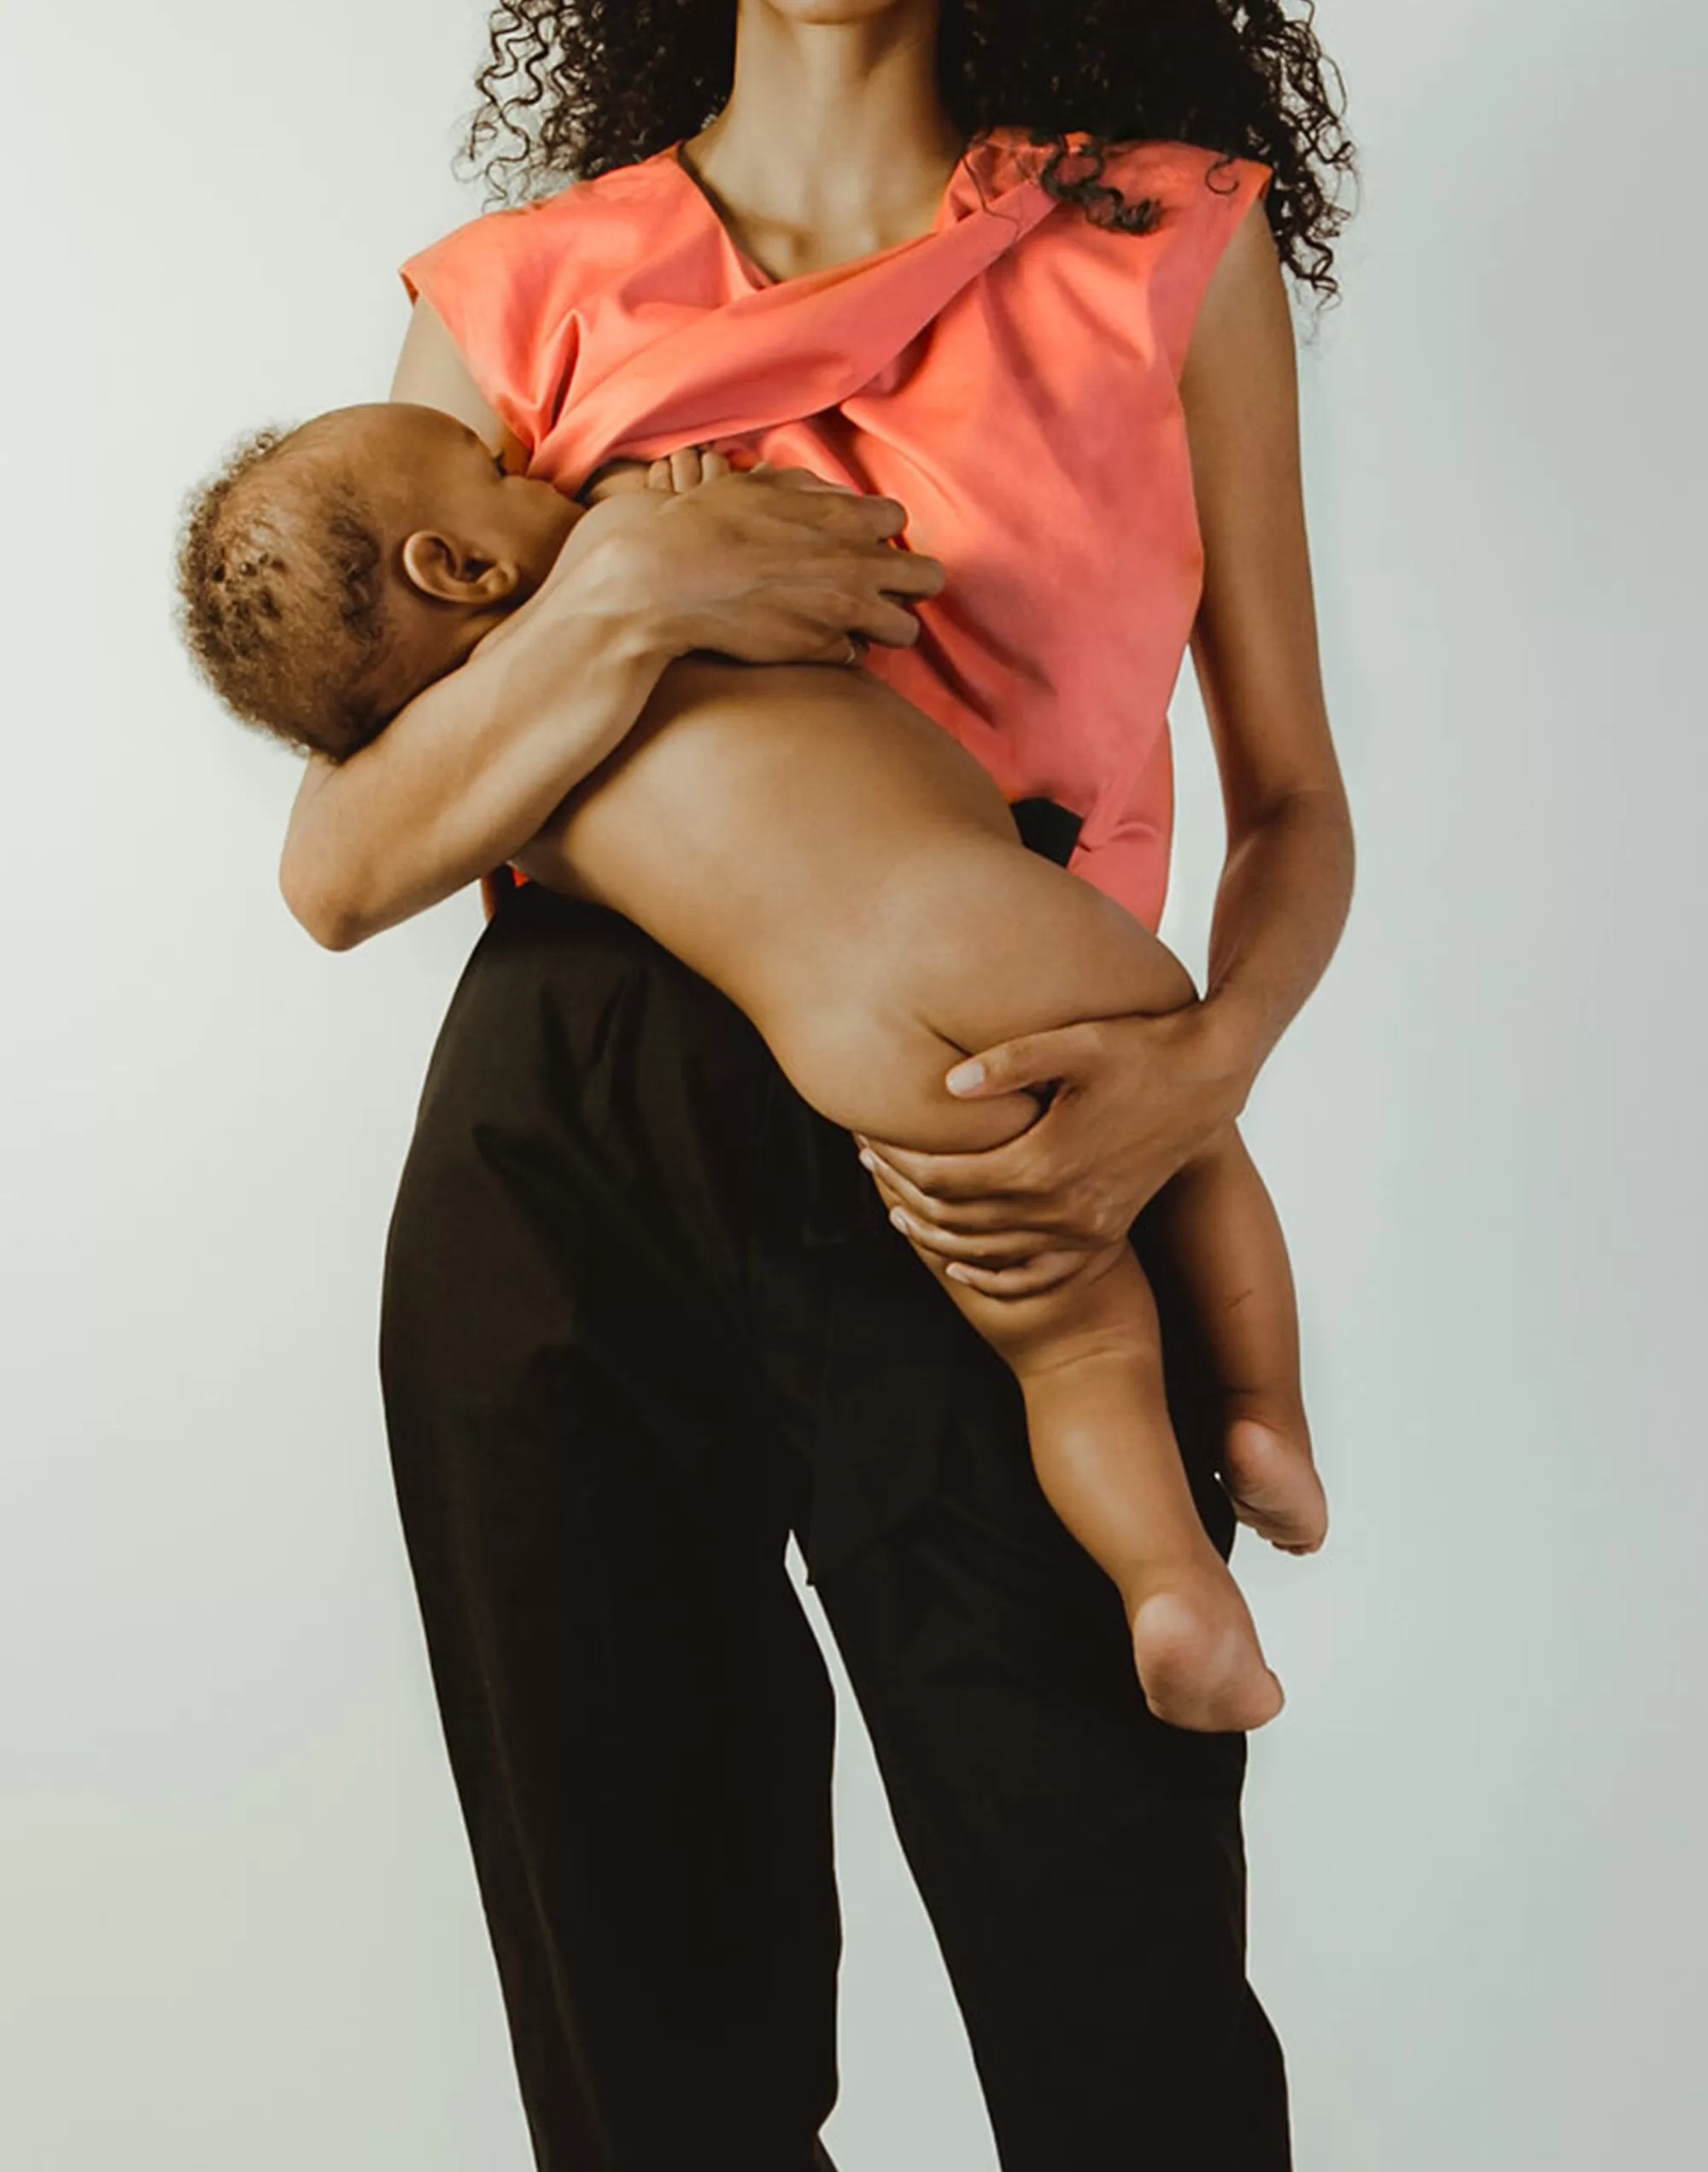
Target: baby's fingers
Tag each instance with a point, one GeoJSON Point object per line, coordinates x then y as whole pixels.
{"type": "Point", "coordinates": [685, 467]}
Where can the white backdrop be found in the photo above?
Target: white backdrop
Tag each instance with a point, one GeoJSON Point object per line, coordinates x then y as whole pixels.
{"type": "Point", "coordinates": [240, 1928]}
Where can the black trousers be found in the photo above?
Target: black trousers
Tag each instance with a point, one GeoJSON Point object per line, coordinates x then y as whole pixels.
{"type": "Point", "coordinates": [643, 1316]}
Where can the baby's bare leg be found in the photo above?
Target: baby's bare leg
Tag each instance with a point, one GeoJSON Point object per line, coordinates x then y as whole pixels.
{"type": "Point", "coordinates": [1010, 944]}
{"type": "Point", "coordinates": [852, 878]}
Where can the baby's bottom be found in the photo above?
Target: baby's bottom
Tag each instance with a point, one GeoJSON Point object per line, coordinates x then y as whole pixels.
{"type": "Point", "coordinates": [851, 877]}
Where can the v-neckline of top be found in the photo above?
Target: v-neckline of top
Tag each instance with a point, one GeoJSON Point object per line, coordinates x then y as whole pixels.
{"type": "Point", "coordinates": [996, 137]}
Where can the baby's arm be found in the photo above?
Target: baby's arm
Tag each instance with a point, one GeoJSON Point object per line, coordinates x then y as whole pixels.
{"type": "Point", "coordinates": [469, 769]}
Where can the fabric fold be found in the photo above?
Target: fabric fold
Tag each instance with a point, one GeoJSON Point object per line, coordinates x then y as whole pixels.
{"type": "Point", "coordinates": [1011, 378]}
{"type": "Point", "coordinates": [782, 351]}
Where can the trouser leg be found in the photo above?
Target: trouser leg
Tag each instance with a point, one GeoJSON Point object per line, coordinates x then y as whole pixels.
{"type": "Point", "coordinates": [636, 1710]}
{"type": "Point", "coordinates": [1081, 1862]}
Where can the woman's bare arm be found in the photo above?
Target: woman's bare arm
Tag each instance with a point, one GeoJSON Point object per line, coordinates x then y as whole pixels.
{"type": "Point", "coordinates": [463, 775]}
{"type": "Point", "coordinates": [1142, 1095]}
{"type": "Point", "coordinates": [1286, 884]}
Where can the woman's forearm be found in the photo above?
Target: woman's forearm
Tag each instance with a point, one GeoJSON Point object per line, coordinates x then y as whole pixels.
{"type": "Point", "coordinates": [466, 774]}
{"type": "Point", "coordinates": [1280, 907]}
{"type": "Point", "coordinates": [768, 566]}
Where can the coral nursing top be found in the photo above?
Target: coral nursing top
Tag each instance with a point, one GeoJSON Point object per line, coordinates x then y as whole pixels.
{"type": "Point", "coordinates": [1010, 376]}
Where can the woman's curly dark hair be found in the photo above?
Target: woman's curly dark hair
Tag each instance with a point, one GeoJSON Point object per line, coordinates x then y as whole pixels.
{"type": "Point", "coordinates": [571, 88]}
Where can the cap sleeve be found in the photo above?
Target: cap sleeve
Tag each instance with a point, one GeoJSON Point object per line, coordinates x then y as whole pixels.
{"type": "Point", "coordinates": [1204, 198]}
{"type": "Point", "coordinates": [491, 281]}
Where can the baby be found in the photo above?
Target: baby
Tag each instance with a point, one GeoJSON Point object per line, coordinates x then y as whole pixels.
{"type": "Point", "coordinates": [851, 877]}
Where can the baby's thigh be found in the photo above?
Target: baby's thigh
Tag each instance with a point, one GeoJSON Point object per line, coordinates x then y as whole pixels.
{"type": "Point", "coordinates": [849, 876]}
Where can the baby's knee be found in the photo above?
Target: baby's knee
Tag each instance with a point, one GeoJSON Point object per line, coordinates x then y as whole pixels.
{"type": "Point", "coordinates": [865, 1058]}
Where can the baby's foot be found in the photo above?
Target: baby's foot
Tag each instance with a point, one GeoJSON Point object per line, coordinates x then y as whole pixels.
{"type": "Point", "coordinates": [1199, 1661]}
{"type": "Point", "coordinates": [1273, 1486]}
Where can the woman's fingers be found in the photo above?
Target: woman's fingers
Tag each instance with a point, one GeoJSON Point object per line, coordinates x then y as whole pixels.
{"type": "Point", "coordinates": [881, 612]}
{"type": "Point", "coordinates": [1043, 1272]}
{"type": "Point", "coordinates": [783, 569]}
{"type": "Point", "coordinates": [838, 507]}
{"type": "Point", "coordinates": [803, 478]}
{"type": "Point", "coordinates": [912, 573]}
{"type": "Point", "coordinates": [1008, 1263]}
{"type": "Point", "coordinates": [992, 1211]}
{"type": "Point", "coordinates": [1001, 1249]}
{"type": "Point", "coordinates": [875, 618]}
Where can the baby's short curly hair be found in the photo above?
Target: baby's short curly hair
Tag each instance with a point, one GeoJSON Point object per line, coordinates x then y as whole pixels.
{"type": "Point", "coordinates": [281, 592]}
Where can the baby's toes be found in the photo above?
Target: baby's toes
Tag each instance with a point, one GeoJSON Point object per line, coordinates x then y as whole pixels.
{"type": "Point", "coordinates": [1274, 1485]}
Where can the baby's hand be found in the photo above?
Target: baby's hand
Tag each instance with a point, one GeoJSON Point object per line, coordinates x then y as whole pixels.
{"type": "Point", "coordinates": [672, 472]}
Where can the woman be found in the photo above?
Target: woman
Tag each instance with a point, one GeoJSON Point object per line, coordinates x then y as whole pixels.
{"type": "Point", "coordinates": [640, 1322]}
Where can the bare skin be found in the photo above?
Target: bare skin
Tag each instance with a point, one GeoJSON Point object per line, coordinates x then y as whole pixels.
{"type": "Point", "coordinates": [817, 848]}
{"type": "Point", "coordinates": [736, 822]}
{"type": "Point", "coordinates": [835, 142]}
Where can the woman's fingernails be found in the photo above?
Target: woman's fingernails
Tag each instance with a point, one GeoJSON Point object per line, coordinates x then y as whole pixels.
{"type": "Point", "coordinates": [957, 1273]}
{"type": "Point", "coordinates": [868, 1160]}
{"type": "Point", "coordinates": [898, 1218]}
{"type": "Point", "coordinates": [965, 1077]}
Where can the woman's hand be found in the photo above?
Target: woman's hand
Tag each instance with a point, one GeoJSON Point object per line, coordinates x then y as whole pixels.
{"type": "Point", "coordinates": [767, 565]}
{"type": "Point", "coordinates": [1137, 1097]}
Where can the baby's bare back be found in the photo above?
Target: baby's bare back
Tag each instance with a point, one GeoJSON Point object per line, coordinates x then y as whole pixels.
{"type": "Point", "coordinates": [755, 821]}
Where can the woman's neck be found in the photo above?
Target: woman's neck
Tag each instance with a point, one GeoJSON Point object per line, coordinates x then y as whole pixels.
{"type": "Point", "coordinates": [834, 141]}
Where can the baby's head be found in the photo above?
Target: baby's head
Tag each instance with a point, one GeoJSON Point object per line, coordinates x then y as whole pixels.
{"type": "Point", "coordinates": [326, 574]}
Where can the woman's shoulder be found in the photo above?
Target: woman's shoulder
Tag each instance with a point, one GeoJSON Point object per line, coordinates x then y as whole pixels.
{"type": "Point", "coordinates": [1201, 193]}
{"type": "Point", "coordinates": [1180, 174]}
{"type": "Point", "coordinates": [512, 283]}
{"type": "Point", "coordinates": [608, 211]}
{"type": "Point", "coordinates": [1167, 157]}
{"type": "Point", "coordinates": [1197, 193]}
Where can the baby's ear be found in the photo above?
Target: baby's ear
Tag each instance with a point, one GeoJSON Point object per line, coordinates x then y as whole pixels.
{"type": "Point", "coordinates": [438, 566]}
